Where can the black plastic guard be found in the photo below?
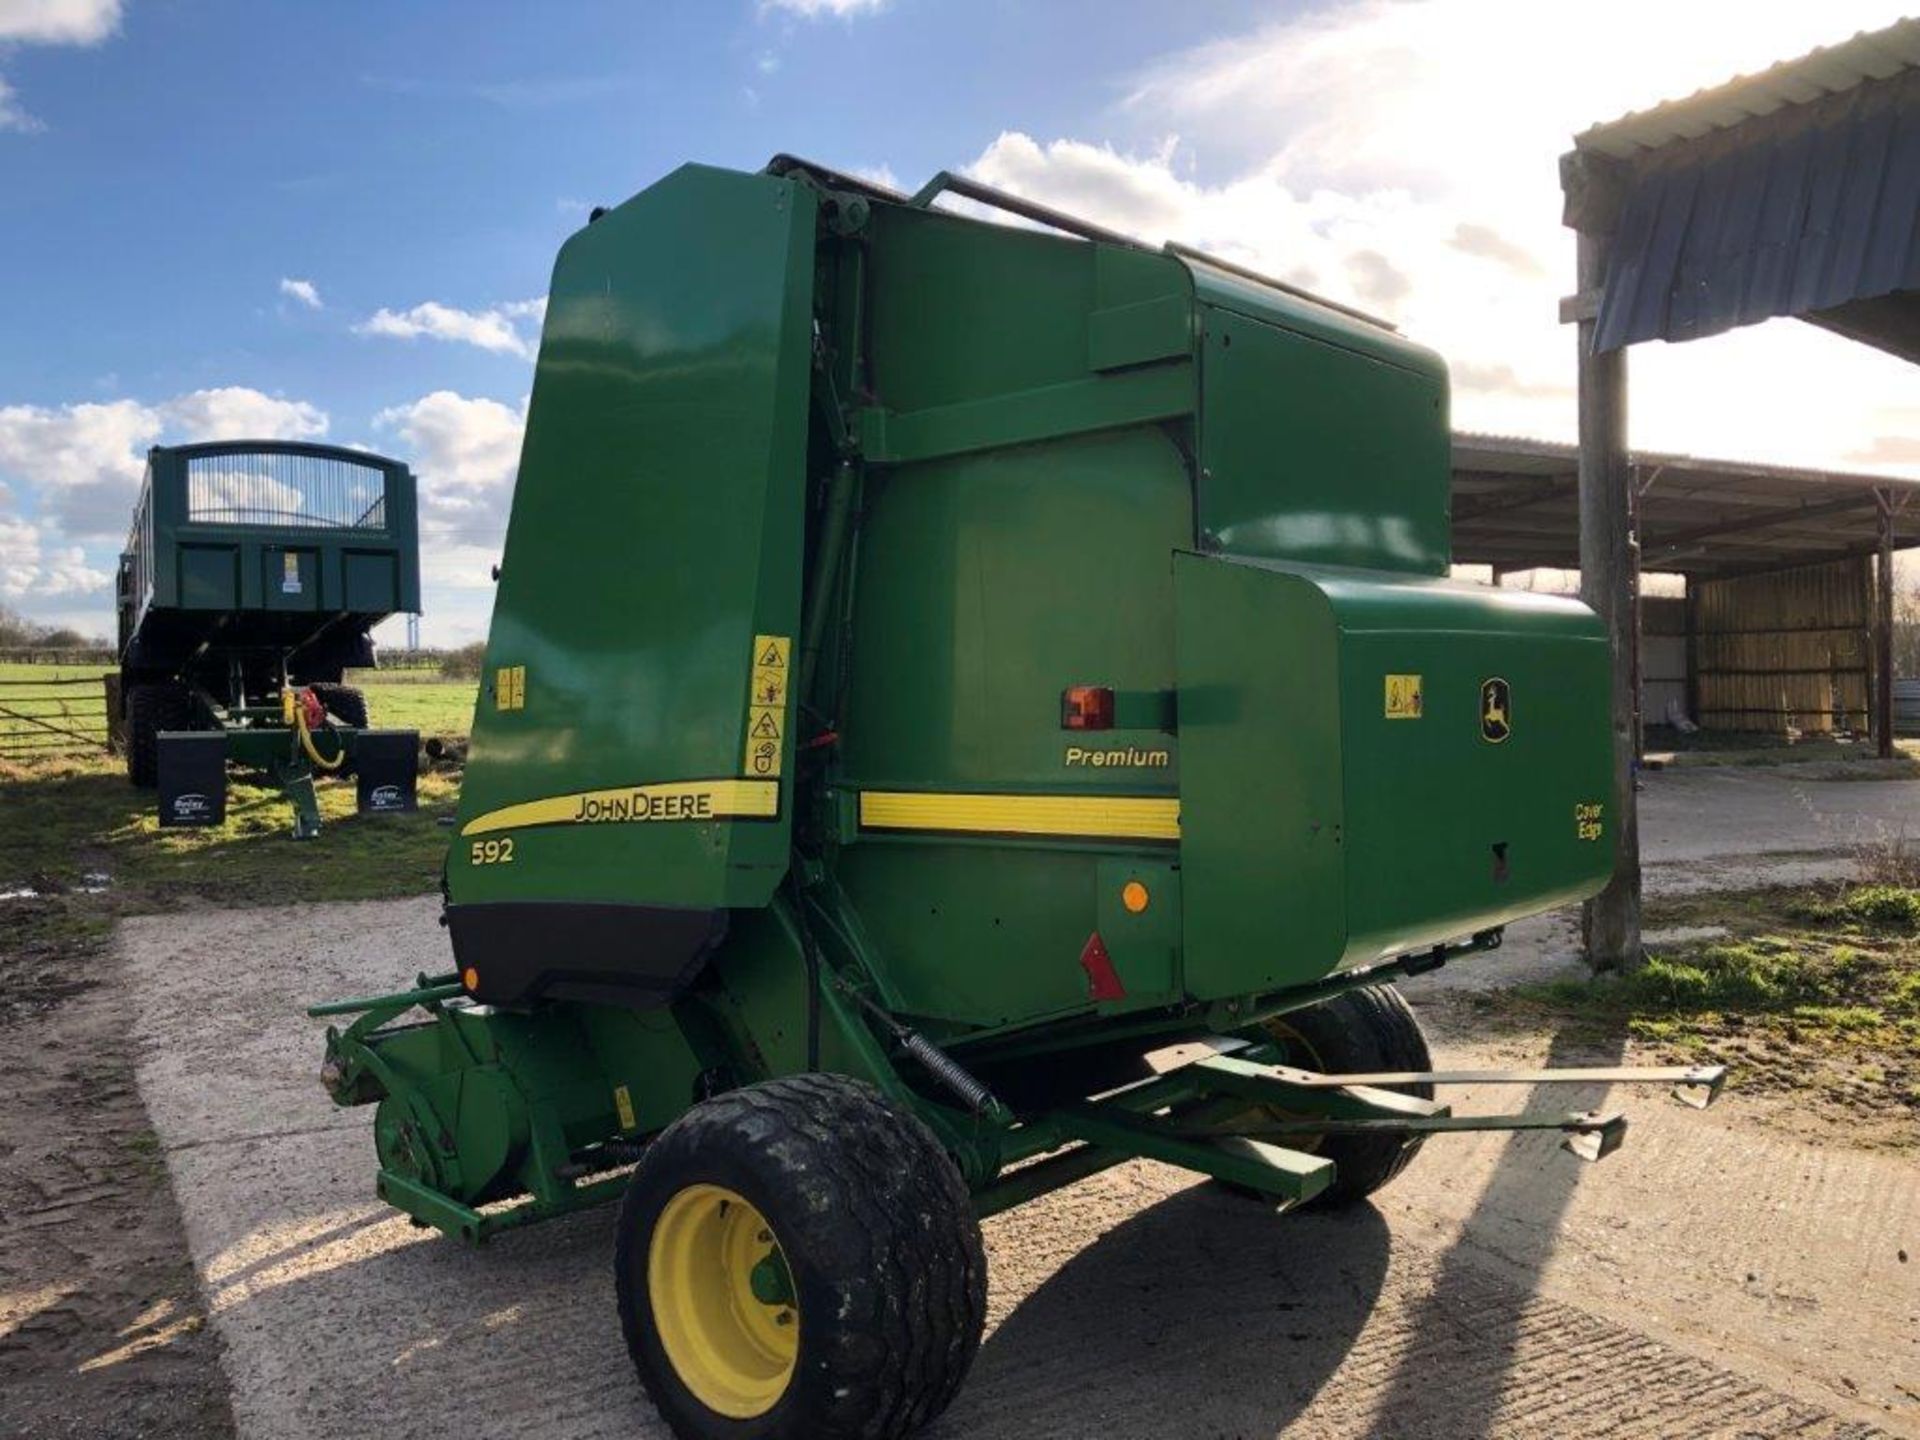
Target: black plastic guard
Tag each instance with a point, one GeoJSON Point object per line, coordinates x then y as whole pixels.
{"type": "Point", "coordinates": [638, 956]}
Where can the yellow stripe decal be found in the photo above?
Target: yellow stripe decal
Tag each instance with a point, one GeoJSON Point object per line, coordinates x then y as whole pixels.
{"type": "Point", "coordinates": [633, 804]}
{"type": "Point", "coordinates": [1102, 817]}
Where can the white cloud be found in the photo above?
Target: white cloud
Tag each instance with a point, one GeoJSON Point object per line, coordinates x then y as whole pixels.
{"type": "Point", "coordinates": [12, 116]}
{"type": "Point", "coordinates": [466, 451]}
{"type": "Point", "coordinates": [58, 22]}
{"type": "Point", "coordinates": [81, 463]}
{"type": "Point", "coordinates": [235, 412]}
{"type": "Point", "coordinates": [49, 22]}
{"type": "Point", "coordinates": [303, 291]}
{"type": "Point", "coordinates": [69, 475]}
{"type": "Point", "coordinates": [29, 568]}
{"type": "Point", "coordinates": [495, 329]}
{"type": "Point", "coordinates": [814, 9]}
{"type": "Point", "coordinates": [1401, 155]}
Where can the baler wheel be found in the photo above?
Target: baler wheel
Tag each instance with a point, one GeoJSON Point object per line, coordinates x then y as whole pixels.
{"type": "Point", "coordinates": [1371, 1029]}
{"type": "Point", "coordinates": [799, 1258]}
{"type": "Point", "coordinates": [151, 709]}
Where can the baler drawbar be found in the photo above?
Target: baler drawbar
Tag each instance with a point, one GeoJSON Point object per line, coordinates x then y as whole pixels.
{"type": "Point", "coordinates": [966, 706]}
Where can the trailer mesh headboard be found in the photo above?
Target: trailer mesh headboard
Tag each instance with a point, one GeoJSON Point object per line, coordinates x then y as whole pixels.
{"type": "Point", "coordinates": [276, 488]}
{"type": "Point", "coordinates": [270, 525]}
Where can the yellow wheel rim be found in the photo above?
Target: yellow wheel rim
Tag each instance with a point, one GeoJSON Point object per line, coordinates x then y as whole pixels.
{"type": "Point", "coordinates": [1295, 1051]}
{"type": "Point", "coordinates": [722, 1300]}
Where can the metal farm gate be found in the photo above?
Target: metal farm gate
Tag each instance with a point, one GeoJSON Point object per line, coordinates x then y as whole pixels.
{"type": "Point", "coordinates": [1789, 650]}
{"type": "Point", "coordinates": [46, 715]}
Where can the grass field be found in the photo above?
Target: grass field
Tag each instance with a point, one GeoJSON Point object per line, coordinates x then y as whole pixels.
{"type": "Point", "coordinates": [81, 846]}
{"type": "Point", "coordinates": [1809, 996]}
{"type": "Point", "coordinates": [400, 699]}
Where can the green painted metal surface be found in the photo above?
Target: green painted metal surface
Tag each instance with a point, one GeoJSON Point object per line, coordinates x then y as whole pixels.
{"type": "Point", "coordinates": [1317, 450]}
{"type": "Point", "coordinates": [1319, 829]}
{"type": "Point", "coordinates": [656, 531]}
{"type": "Point", "coordinates": [1007, 463]}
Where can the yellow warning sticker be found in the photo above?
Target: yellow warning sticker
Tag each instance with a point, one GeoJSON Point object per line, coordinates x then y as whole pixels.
{"type": "Point", "coordinates": [1404, 699]}
{"type": "Point", "coordinates": [510, 687]}
{"type": "Point", "coordinates": [623, 1104]}
{"type": "Point", "coordinates": [767, 704]}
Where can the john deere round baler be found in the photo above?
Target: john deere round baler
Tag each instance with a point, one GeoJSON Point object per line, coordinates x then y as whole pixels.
{"type": "Point", "coordinates": [938, 668]}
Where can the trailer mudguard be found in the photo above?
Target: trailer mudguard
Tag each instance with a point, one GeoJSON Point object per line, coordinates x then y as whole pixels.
{"type": "Point", "coordinates": [632, 752]}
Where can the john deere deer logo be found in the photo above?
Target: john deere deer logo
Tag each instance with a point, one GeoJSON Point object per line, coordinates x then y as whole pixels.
{"type": "Point", "coordinates": [1496, 710]}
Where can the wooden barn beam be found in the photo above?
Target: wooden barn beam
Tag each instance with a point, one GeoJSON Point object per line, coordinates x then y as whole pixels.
{"type": "Point", "coordinates": [1610, 922]}
{"type": "Point", "coordinates": [1883, 629]}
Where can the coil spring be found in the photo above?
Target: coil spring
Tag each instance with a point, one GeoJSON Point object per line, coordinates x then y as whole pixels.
{"type": "Point", "coordinates": [947, 1071]}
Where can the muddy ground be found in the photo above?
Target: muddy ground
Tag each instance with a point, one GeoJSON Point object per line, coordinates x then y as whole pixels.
{"type": "Point", "coordinates": [1716, 1278]}
{"type": "Point", "coordinates": [102, 1330]}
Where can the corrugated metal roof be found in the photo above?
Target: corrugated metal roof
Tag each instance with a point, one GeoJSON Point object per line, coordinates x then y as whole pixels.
{"type": "Point", "coordinates": [1811, 210]}
{"type": "Point", "coordinates": [1830, 70]}
{"type": "Point", "coordinates": [1516, 505]}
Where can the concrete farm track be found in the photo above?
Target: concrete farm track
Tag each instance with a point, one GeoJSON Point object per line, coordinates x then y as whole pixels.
{"type": "Point", "coordinates": [1714, 1279]}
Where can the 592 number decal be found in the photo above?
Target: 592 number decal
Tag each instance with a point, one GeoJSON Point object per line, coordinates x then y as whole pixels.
{"type": "Point", "coordinates": [492, 852]}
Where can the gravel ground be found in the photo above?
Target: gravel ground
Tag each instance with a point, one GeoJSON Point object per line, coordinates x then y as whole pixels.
{"type": "Point", "coordinates": [1715, 813]}
{"type": "Point", "coordinates": [1713, 1279]}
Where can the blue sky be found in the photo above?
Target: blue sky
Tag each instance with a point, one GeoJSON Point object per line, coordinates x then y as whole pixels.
{"type": "Point", "coordinates": [337, 220]}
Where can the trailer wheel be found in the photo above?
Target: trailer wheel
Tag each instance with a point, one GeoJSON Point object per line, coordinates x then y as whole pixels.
{"type": "Point", "coordinates": [346, 703]}
{"type": "Point", "coordinates": [151, 709]}
{"type": "Point", "coordinates": [799, 1258]}
{"type": "Point", "coordinates": [1362, 1030]}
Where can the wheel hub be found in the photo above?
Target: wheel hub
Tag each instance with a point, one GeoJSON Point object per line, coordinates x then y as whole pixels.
{"type": "Point", "coordinates": [723, 1301]}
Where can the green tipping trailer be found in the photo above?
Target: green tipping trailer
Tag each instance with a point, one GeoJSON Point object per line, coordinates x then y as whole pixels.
{"type": "Point", "coordinates": [966, 706]}
{"type": "Point", "coordinates": [254, 573]}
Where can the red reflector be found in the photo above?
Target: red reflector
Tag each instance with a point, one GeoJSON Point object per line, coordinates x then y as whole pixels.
{"type": "Point", "coordinates": [1103, 981]}
{"type": "Point", "coordinates": [1086, 707]}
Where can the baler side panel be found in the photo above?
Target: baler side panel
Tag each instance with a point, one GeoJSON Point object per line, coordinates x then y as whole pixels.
{"type": "Point", "coordinates": [989, 583]}
{"type": "Point", "coordinates": [1315, 452]}
{"type": "Point", "coordinates": [1450, 830]}
{"type": "Point", "coordinates": [657, 530]}
{"type": "Point", "coordinates": [1262, 819]}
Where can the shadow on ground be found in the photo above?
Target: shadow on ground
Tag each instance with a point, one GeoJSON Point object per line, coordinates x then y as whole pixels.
{"type": "Point", "coordinates": [1205, 1305]}
{"type": "Point", "coordinates": [1535, 1183]}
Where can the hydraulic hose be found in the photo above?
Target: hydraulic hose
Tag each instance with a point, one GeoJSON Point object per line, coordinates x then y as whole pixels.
{"type": "Point", "coordinates": [306, 741]}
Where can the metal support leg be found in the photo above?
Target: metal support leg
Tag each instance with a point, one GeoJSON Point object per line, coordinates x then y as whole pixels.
{"type": "Point", "coordinates": [296, 782]}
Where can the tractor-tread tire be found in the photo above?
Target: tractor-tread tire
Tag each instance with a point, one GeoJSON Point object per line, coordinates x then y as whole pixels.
{"type": "Point", "coordinates": [346, 703]}
{"type": "Point", "coordinates": [1370, 1029]}
{"type": "Point", "coordinates": [151, 709]}
{"type": "Point", "coordinates": [878, 1234]}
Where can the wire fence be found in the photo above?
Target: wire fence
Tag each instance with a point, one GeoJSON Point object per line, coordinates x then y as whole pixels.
{"type": "Point", "coordinates": [47, 716]}
{"type": "Point", "coordinates": [71, 657]}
